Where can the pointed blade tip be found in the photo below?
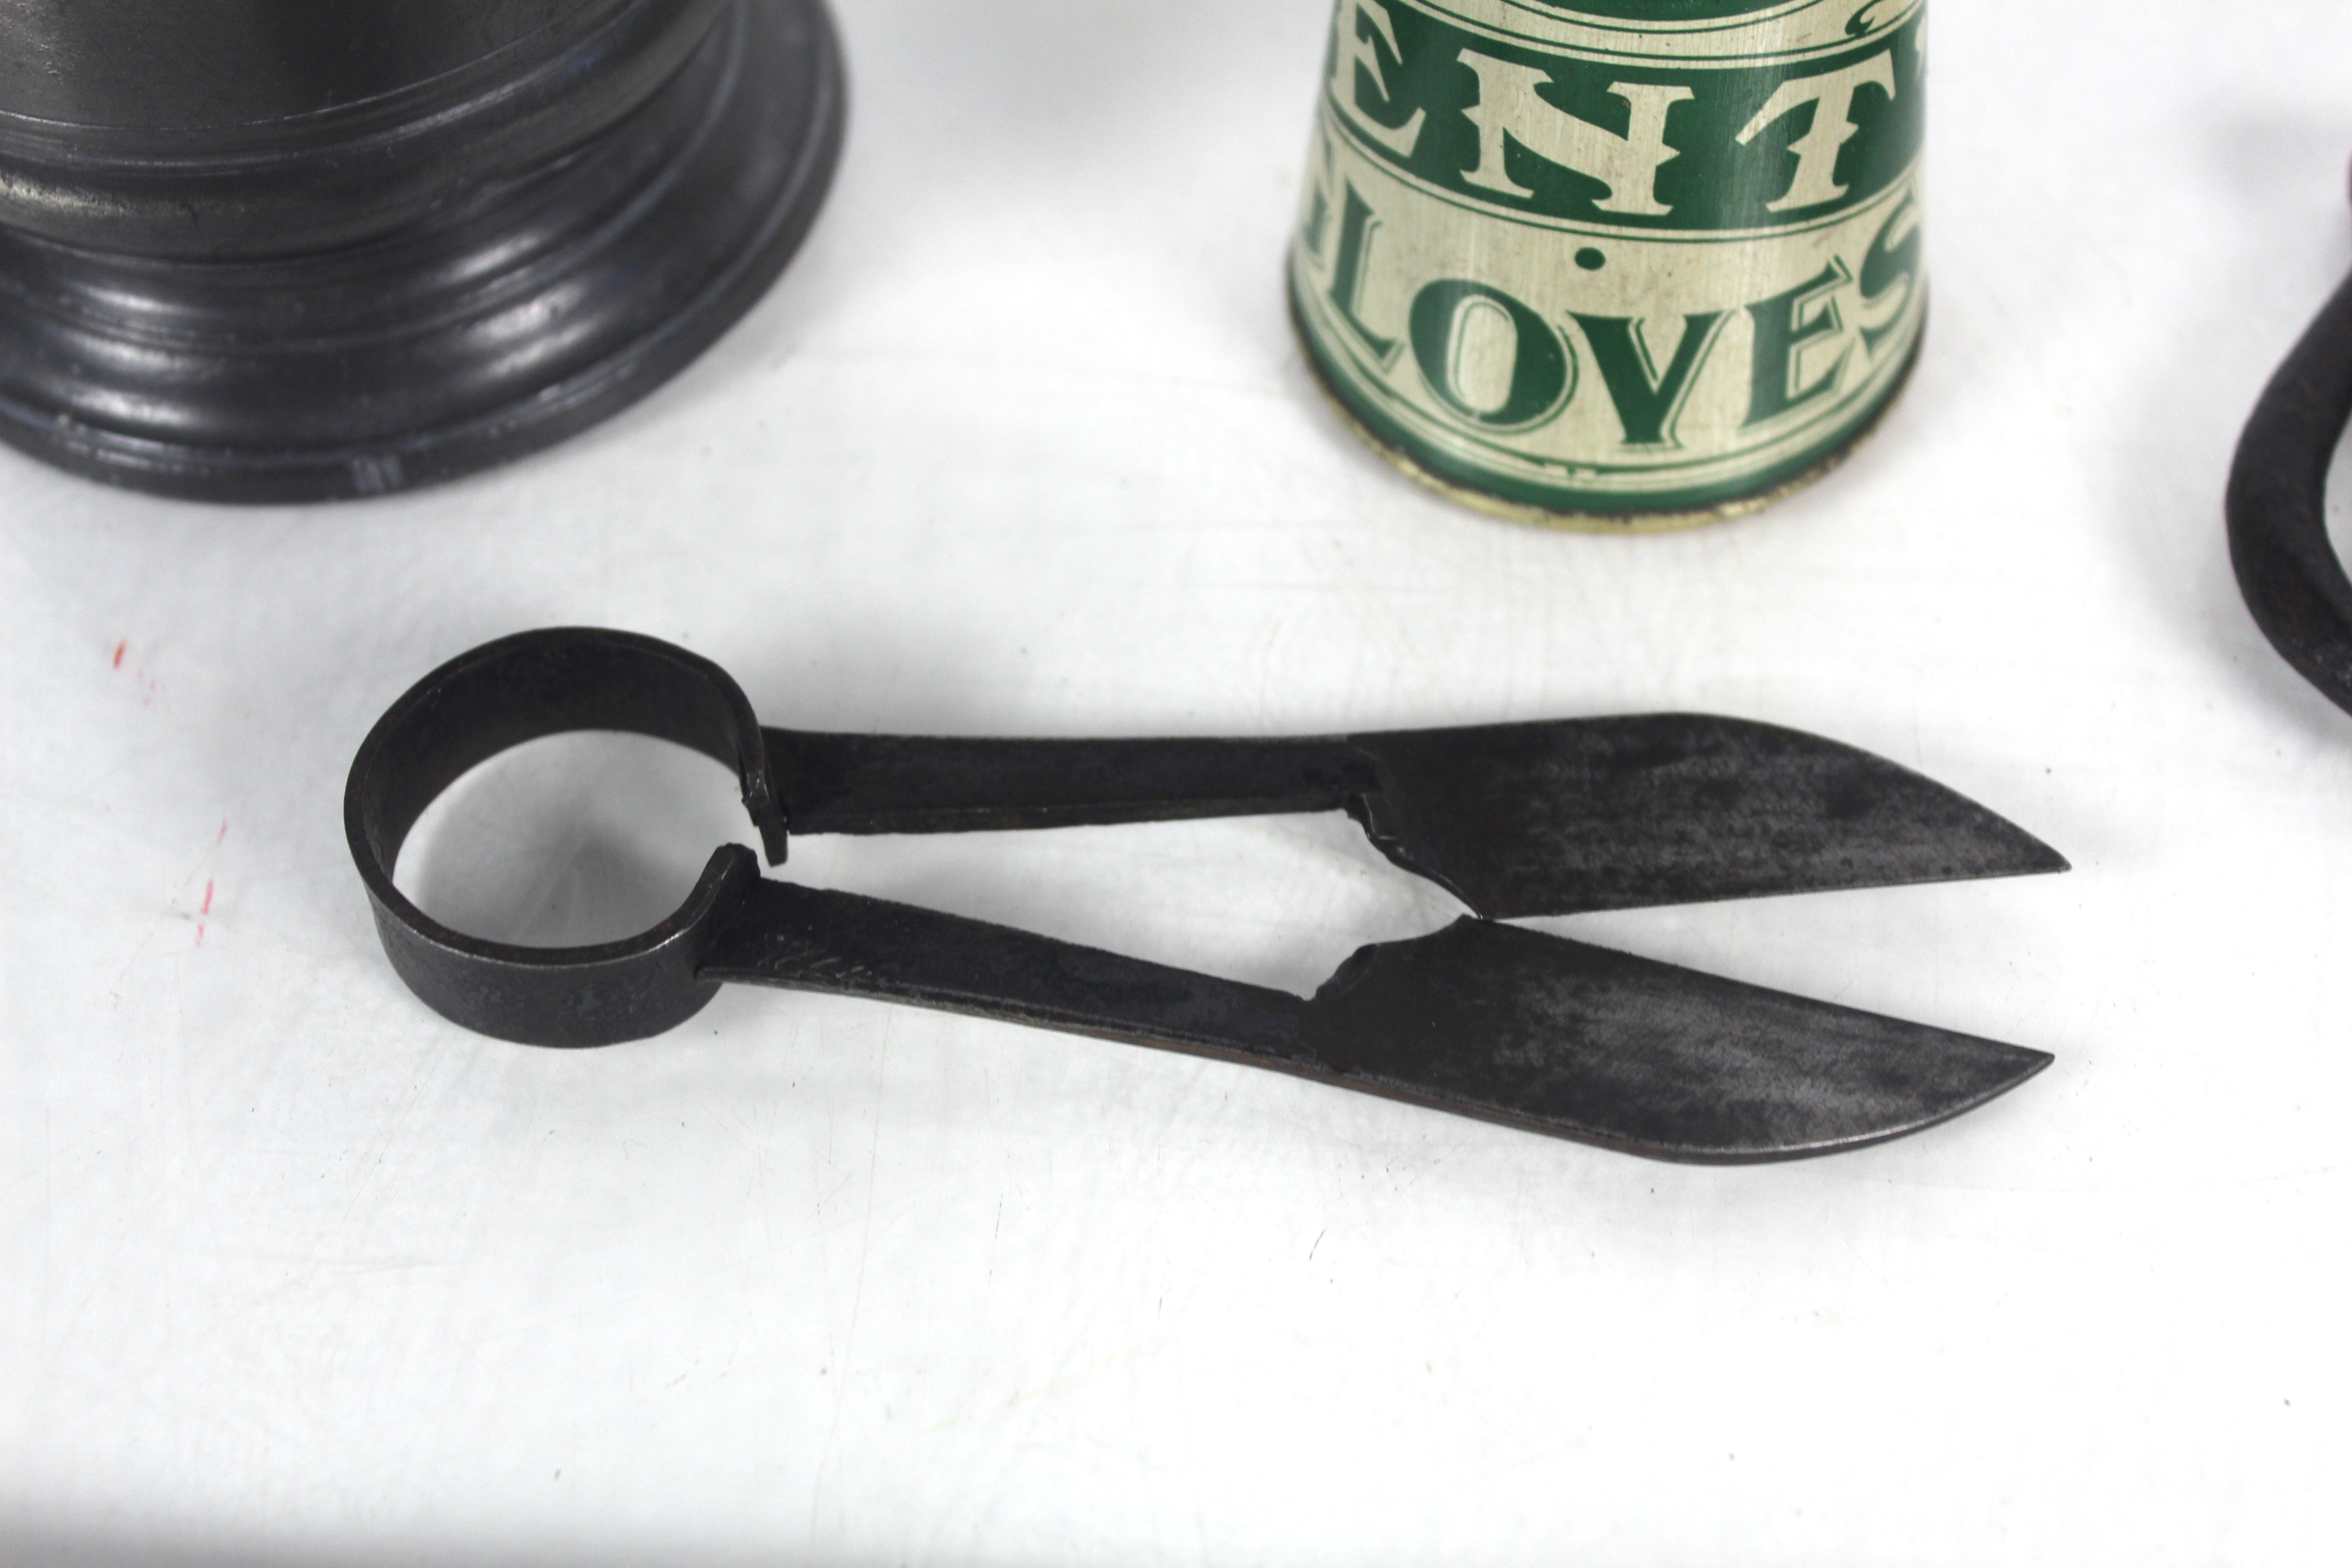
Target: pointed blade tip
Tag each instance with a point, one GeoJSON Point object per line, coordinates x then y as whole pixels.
{"type": "Point", "coordinates": [1646, 1058]}
{"type": "Point", "coordinates": [2030, 857]}
{"type": "Point", "coordinates": [1816, 815]}
{"type": "Point", "coordinates": [2024, 1063]}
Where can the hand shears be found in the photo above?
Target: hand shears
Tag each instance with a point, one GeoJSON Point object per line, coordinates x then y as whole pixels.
{"type": "Point", "coordinates": [1479, 1019]}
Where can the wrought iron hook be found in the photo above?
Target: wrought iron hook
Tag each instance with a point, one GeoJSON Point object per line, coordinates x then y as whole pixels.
{"type": "Point", "coordinates": [2289, 572]}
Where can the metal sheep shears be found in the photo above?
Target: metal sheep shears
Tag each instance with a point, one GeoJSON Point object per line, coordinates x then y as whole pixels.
{"type": "Point", "coordinates": [1480, 1018]}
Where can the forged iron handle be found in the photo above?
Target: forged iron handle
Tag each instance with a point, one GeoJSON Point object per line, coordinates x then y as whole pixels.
{"type": "Point", "coordinates": [848, 944]}
{"type": "Point", "coordinates": [896, 783]}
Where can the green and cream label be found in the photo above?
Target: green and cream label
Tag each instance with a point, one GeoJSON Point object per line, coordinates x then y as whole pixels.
{"type": "Point", "coordinates": [1616, 256]}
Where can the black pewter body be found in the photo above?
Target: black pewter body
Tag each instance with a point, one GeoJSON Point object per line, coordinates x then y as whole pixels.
{"type": "Point", "coordinates": [1479, 1019]}
{"type": "Point", "coordinates": [271, 250]}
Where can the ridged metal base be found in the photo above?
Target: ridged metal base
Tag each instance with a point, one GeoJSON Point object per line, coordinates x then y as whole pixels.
{"type": "Point", "coordinates": [543, 302]}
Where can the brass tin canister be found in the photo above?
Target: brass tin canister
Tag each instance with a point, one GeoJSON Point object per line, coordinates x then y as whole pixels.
{"type": "Point", "coordinates": [1617, 264]}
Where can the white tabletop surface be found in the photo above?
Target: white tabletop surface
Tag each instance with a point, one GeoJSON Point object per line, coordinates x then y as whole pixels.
{"type": "Point", "coordinates": [295, 1273]}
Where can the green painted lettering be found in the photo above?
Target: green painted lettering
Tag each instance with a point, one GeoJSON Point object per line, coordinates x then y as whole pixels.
{"type": "Point", "coordinates": [1885, 266]}
{"type": "Point", "coordinates": [1647, 399]}
{"type": "Point", "coordinates": [1525, 361]}
{"type": "Point", "coordinates": [1831, 95]}
{"type": "Point", "coordinates": [1785, 325]}
{"type": "Point", "coordinates": [1353, 50]}
{"type": "Point", "coordinates": [1509, 110]}
{"type": "Point", "coordinates": [1356, 225]}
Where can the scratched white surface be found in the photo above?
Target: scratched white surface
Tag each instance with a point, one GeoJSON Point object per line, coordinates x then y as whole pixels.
{"type": "Point", "coordinates": [296, 1274]}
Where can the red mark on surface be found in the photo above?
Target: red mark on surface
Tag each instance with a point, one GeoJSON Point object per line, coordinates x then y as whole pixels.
{"type": "Point", "coordinates": [223, 832]}
{"type": "Point", "coordinates": [120, 649]}
{"type": "Point", "coordinates": [204, 912]}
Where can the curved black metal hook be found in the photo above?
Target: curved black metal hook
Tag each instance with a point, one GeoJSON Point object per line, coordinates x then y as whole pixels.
{"type": "Point", "coordinates": [2286, 568]}
{"type": "Point", "coordinates": [520, 688]}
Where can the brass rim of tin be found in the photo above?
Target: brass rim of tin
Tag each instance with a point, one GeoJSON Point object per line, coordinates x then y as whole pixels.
{"type": "Point", "coordinates": [1567, 520]}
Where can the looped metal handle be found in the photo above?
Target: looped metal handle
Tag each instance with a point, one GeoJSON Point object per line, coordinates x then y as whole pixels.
{"type": "Point", "coordinates": [496, 698]}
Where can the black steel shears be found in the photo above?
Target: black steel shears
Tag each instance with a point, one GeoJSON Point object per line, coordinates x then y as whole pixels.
{"type": "Point", "coordinates": [1480, 1018]}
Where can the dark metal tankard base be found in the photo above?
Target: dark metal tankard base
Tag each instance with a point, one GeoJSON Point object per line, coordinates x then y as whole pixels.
{"type": "Point", "coordinates": [272, 252]}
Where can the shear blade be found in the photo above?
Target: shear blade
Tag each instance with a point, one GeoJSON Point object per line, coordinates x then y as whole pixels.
{"type": "Point", "coordinates": [1592, 1044]}
{"type": "Point", "coordinates": [1560, 818]}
